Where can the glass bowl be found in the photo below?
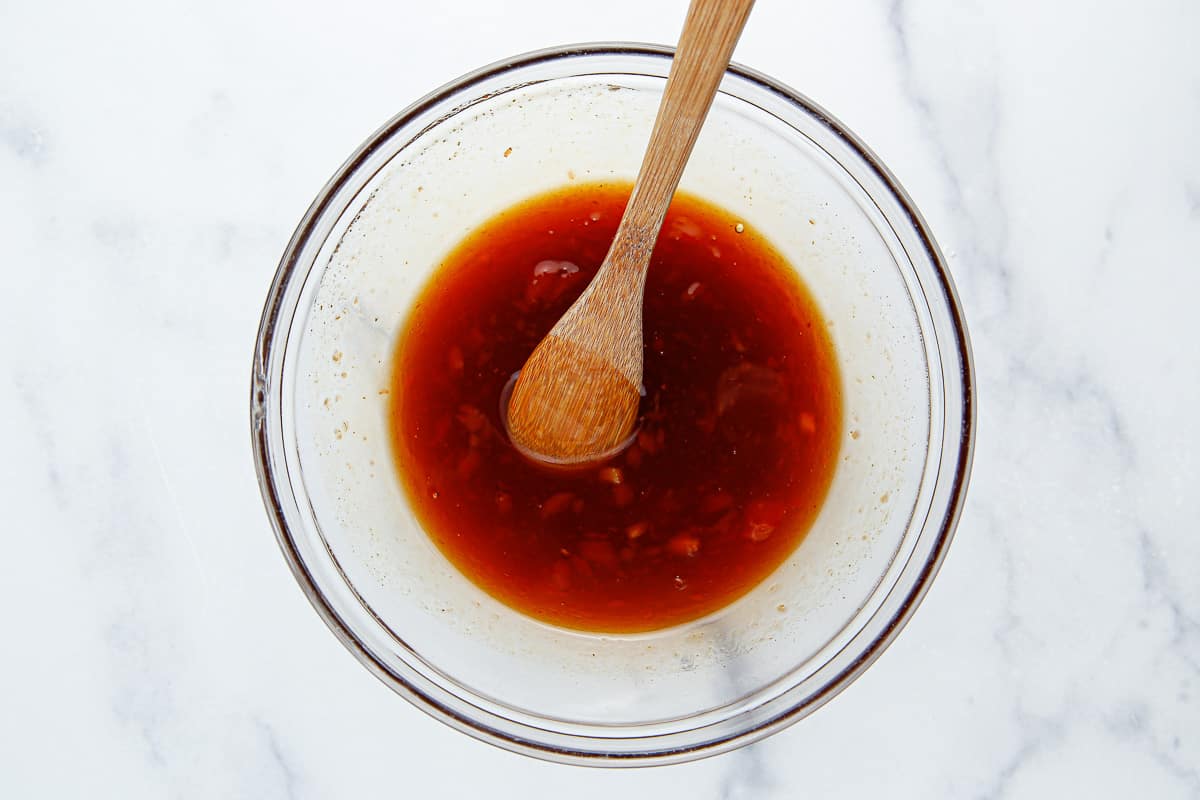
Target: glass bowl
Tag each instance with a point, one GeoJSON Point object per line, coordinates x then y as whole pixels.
{"type": "Point", "coordinates": [372, 239]}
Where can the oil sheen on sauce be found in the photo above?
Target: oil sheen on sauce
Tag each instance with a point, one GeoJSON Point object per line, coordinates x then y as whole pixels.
{"type": "Point", "coordinates": [738, 431]}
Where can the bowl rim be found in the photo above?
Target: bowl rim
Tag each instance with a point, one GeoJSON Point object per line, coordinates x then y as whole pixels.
{"type": "Point", "coordinates": [267, 341]}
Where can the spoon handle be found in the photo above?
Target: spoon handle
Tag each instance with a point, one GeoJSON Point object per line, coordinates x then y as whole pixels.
{"type": "Point", "coordinates": [709, 34]}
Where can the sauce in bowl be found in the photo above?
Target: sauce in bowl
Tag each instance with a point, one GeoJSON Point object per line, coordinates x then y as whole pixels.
{"type": "Point", "coordinates": [737, 436]}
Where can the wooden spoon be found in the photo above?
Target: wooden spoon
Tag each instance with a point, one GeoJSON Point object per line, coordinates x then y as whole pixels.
{"type": "Point", "coordinates": [576, 399]}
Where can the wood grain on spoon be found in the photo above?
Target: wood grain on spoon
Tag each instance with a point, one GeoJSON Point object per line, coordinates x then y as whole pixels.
{"type": "Point", "coordinates": [577, 396]}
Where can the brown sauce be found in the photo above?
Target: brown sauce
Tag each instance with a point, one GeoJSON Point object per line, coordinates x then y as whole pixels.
{"type": "Point", "coordinates": [739, 425]}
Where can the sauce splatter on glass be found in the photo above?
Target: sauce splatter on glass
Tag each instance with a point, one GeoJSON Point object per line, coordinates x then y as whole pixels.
{"type": "Point", "coordinates": [738, 431]}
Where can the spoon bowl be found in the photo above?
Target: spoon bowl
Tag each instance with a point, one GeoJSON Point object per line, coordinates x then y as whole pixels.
{"type": "Point", "coordinates": [596, 406]}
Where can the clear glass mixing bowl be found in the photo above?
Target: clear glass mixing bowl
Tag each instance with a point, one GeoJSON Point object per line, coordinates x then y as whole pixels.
{"type": "Point", "coordinates": [321, 363]}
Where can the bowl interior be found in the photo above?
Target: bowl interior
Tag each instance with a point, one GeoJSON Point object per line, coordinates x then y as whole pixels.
{"type": "Point", "coordinates": [385, 224]}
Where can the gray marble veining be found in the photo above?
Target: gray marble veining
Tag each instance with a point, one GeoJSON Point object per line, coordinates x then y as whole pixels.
{"type": "Point", "coordinates": [154, 159]}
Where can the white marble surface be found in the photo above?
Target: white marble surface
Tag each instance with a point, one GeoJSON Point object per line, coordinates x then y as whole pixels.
{"type": "Point", "coordinates": [154, 158]}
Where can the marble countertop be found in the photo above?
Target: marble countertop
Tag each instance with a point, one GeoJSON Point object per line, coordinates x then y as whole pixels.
{"type": "Point", "coordinates": [154, 159]}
